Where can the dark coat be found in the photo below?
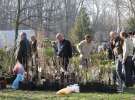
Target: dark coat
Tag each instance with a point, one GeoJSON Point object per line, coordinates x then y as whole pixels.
{"type": "Point", "coordinates": [24, 51]}
{"type": "Point", "coordinates": [34, 46]}
{"type": "Point", "coordinates": [111, 46]}
{"type": "Point", "coordinates": [118, 45]}
{"type": "Point", "coordinates": [64, 49]}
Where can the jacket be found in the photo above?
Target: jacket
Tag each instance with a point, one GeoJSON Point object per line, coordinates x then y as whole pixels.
{"type": "Point", "coordinates": [64, 49]}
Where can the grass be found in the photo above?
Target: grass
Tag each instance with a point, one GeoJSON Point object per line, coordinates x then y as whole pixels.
{"type": "Point", "coordinates": [9, 94]}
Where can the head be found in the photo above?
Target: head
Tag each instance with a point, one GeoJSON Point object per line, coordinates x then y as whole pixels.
{"type": "Point", "coordinates": [33, 38]}
{"type": "Point", "coordinates": [23, 35]}
{"type": "Point", "coordinates": [123, 35]}
{"type": "Point", "coordinates": [88, 38]}
{"type": "Point", "coordinates": [60, 37]}
{"type": "Point", "coordinates": [130, 34]}
{"type": "Point", "coordinates": [112, 35]}
{"type": "Point", "coordinates": [134, 33]}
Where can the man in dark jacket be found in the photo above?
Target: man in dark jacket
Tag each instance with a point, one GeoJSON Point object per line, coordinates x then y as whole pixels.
{"type": "Point", "coordinates": [119, 75]}
{"type": "Point", "coordinates": [116, 55]}
{"type": "Point", "coordinates": [24, 51]}
{"type": "Point", "coordinates": [64, 50]}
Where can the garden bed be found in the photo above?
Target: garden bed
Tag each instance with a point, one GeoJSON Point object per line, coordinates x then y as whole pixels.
{"type": "Point", "coordinates": [3, 83]}
{"type": "Point", "coordinates": [92, 86]}
{"type": "Point", "coordinates": [97, 87]}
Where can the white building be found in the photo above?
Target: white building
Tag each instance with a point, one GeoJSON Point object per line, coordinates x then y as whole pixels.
{"type": "Point", "coordinates": [7, 37]}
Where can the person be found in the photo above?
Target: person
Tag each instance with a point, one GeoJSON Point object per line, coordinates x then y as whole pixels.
{"type": "Point", "coordinates": [133, 38]}
{"type": "Point", "coordinates": [85, 49]}
{"type": "Point", "coordinates": [127, 58]}
{"type": "Point", "coordinates": [64, 51]}
{"type": "Point", "coordinates": [119, 75]}
{"type": "Point", "coordinates": [23, 53]}
{"type": "Point", "coordinates": [111, 45]}
{"type": "Point", "coordinates": [34, 58]}
{"type": "Point", "coordinates": [18, 71]}
{"type": "Point", "coordinates": [23, 81]}
{"type": "Point", "coordinates": [34, 51]}
{"type": "Point", "coordinates": [15, 84]}
{"type": "Point", "coordinates": [55, 48]}
{"type": "Point", "coordinates": [18, 68]}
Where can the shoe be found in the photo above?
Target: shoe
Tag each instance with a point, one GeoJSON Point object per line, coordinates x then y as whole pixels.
{"type": "Point", "coordinates": [123, 85]}
{"type": "Point", "coordinates": [120, 90]}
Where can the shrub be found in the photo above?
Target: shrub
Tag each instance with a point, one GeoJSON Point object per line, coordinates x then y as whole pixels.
{"type": "Point", "coordinates": [131, 24]}
{"type": "Point", "coordinates": [6, 61]}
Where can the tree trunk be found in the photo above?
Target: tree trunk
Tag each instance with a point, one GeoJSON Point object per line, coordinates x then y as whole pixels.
{"type": "Point", "coordinates": [132, 8]}
{"type": "Point", "coordinates": [17, 21]}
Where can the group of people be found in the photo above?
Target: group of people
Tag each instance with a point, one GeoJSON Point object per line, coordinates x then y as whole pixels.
{"type": "Point", "coordinates": [26, 49]}
{"type": "Point", "coordinates": [26, 52]}
{"type": "Point", "coordinates": [121, 50]}
{"type": "Point", "coordinates": [64, 50]}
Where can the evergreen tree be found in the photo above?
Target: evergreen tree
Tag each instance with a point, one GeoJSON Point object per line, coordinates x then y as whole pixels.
{"type": "Point", "coordinates": [131, 24]}
{"type": "Point", "coordinates": [81, 26]}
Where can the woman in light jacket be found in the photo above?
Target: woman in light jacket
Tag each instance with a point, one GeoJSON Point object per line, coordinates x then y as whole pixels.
{"type": "Point", "coordinates": [127, 58]}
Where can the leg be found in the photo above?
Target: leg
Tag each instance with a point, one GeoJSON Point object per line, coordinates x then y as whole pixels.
{"type": "Point", "coordinates": [119, 75]}
{"type": "Point", "coordinates": [65, 63]}
{"type": "Point", "coordinates": [129, 71]}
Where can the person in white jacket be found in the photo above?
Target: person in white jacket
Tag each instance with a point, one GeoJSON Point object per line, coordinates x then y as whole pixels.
{"type": "Point", "coordinates": [127, 58]}
{"type": "Point", "coordinates": [85, 48]}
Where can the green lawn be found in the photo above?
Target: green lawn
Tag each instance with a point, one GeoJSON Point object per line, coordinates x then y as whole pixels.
{"type": "Point", "coordinates": [9, 94]}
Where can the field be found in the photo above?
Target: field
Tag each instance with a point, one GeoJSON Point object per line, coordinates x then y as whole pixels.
{"type": "Point", "coordinates": [9, 94]}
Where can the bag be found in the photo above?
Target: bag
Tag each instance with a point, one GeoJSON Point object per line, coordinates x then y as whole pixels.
{"type": "Point", "coordinates": [64, 91]}
{"type": "Point", "coordinates": [75, 88]}
{"type": "Point", "coordinates": [68, 90]}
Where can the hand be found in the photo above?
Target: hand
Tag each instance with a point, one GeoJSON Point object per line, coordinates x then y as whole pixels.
{"type": "Point", "coordinates": [81, 55]}
{"type": "Point", "coordinates": [123, 61]}
{"type": "Point", "coordinates": [58, 57]}
{"type": "Point", "coordinates": [115, 51]}
{"type": "Point", "coordinates": [133, 58]}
